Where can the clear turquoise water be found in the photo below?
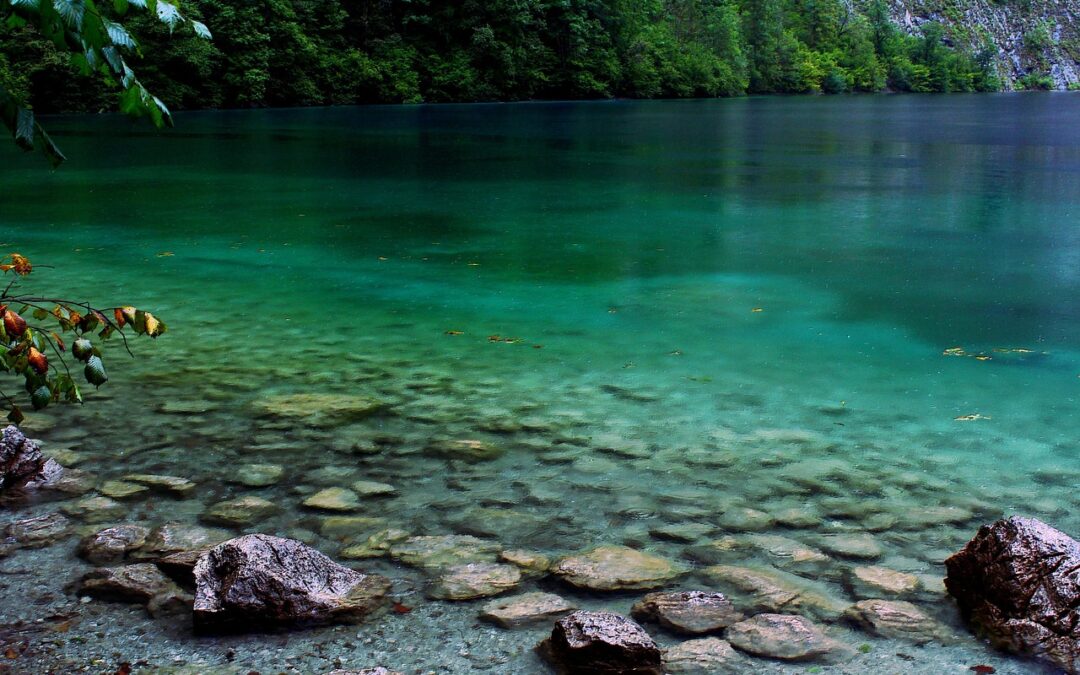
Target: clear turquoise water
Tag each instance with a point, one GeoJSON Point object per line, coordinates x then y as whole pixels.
{"type": "Point", "coordinates": [331, 250]}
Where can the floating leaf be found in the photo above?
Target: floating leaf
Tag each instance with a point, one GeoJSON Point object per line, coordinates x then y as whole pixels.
{"type": "Point", "coordinates": [972, 417]}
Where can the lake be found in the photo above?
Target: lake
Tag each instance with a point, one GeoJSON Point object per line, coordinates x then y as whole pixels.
{"type": "Point", "coordinates": [714, 331]}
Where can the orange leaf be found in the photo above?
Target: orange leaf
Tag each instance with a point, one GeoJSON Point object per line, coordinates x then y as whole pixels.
{"type": "Point", "coordinates": [21, 264]}
{"type": "Point", "coordinates": [59, 342]}
{"type": "Point", "coordinates": [13, 323]}
{"type": "Point", "coordinates": [38, 361]}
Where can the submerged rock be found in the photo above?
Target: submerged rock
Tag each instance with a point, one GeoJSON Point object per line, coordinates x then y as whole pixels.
{"type": "Point", "coordinates": [437, 552]}
{"type": "Point", "coordinates": [615, 568]}
{"type": "Point", "coordinates": [171, 538]}
{"type": "Point", "coordinates": [858, 545]}
{"type": "Point", "coordinates": [112, 544]}
{"type": "Point", "coordinates": [36, 532]}
{"type": "Point", "coordinates": [258, 475]}
{"type": "Point", "coordinates": [119, 489]}
{"type": "Point", "coordinates": [258, 581]}
{"type": "Point", "coordinates": [745, 519]}
{"type": "Point", "coordinates": [95, 509]}
{"type": "Point", "coordinates": [704, 656]}
{"type": "Point", "coordinates": [531, 563]}
{"type": "Point", "coordinates": [528, 608]}
{"type": "Point", "coordinates": [475, 580]}
{"type": "Point", "coordinates": [469, 450]}
{"type": "Point", "coordinates": [333, 499]}
{"type": "Point", "coordinates": [178, 487]}
{"type": "Point", "coordinates": [783, 636]}
{"type": "Point", "coordinates": [240, 512]}
{"type": "Point", "coordinates": [370, 488]}
{"type": "Point", "coordinates": [691, 612]}
{"type": "Point", "coordinates": [321, 410]}
{"type": "Point", "coordinates": [601, 643]}
{"type": "Point", "coordinates": [137, 583]}
{"type": "Point", "coordinates": [899, 620]}
{"type": "Point", "coordinates": [1018, 583]}
{"type": "Point", "coordinates": [775, 591]}
{"type": "Point", "coordinates": [882, 582]}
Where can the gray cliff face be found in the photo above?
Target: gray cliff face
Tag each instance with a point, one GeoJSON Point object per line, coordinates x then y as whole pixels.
{"type": "Point", "coordinates": [1030, 37]}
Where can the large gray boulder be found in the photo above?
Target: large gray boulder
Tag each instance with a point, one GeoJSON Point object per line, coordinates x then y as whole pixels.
{"type": "Point", "coordinates": [1018, 583]}
{"type": "Point", "coordinates": [600, 643]}
{"type": "Point", "coordinates": [258, 581]}
{"type": "Point", "coordinates": [21, 460]}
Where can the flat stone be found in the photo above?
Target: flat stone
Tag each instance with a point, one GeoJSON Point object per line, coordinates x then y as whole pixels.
{"type": "Point", "coordinates": [528, 608]}
{"type": "Point", "coordinates": [378, 670]}
{"type": "Point", "coordinates": [790, 554]}
{"type": "Point", "coordinates": [174, 485]}
{"type": "Point", "coordinates": [772, 590]}
{"type": "Point", "coordinates": [924, 517]}
{"type": "Point", "coordinates": [857, 545]}
{"type": "Point", "coordinates": [176, 537]}
{"type": "Point", "coordinates": [112, 544]}
{"type": "Point", "coordinates": [131, 583]}
{"type": "Point", "coordinates": [333, 499]}
{"type": "Point", "coordinates": [615, 568]}
{"type": "Point", "coordinates": [188, 407]}
{"type": "Point", "coordinates": [258, 475]}
{"type": "Point", "coordinates": [601, 643]}
{"type": "Point", "coordinates": [899, 620]}
{"type": "Point", "coordinates": [682, 532]}
{"type": "Point", "coordinates": [475, 580]}
{"type": "Point", "coordinates": [787, 637]}
{"type": "Point", "coordinates": [882, 582]}
{"type": "Point", "coordinates": [436, 552]}
{"type": "Point", "coordinates": [375, 546]}
{"type": "Point", "coordinates": [499, 523]}
{"type": "Point", "coordinates": [95, 509]}
{"type": "Point", "coordinates": [320, 410]}
{"type": "Point", "coordinates": [240, 512]}
{"type": "Point", "coordinates": [368, 488]}
{"type": "Point", "coordinates": [344, 528]}
{"type": "Point", "coordinates": [468, 450]}
{"type": "Point", "coordinates": [531, 563]}
{"type": "Point", "coordinates": [120, 489]}
{"type": "Point", "coordinates": [170, 603]}
{"type": "Point", "coordinates": [37, 532]}
{"type": "Point", "coordinates": [744, 519]}
{"type": "Point", "coordinates": [705, 656]}
{"type": "Point", "coordinates": [690, 612]}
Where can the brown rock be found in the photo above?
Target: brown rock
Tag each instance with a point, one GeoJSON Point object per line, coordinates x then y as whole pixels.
{"type": "Point", "coordinates": [1018, 583]}
{"type": "Point", "coordinates": [600, 643]}
{"type": "Point", "coordinates": [691, 612]}
{"type": "Point", "coordinates": [475, 580]}
{"type": "Point", "coordinates": [37, 532]}
{"type": "Point", "coordinates": [21, 460]}
{"type": "Point", "coordinates": [882, 582]}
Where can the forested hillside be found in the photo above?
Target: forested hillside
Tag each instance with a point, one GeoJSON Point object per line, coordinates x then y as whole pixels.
{"type": "Point", "coordinates": [318, 52]}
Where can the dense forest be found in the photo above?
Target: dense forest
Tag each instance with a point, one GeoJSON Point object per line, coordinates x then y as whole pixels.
{"type": "Point", "coordinates": [320, 52]}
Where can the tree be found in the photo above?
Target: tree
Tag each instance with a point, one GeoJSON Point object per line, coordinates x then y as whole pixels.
{"type": "Point", "coordinates": [97, 43]}
{"type": "Point", "coordinates": [36, 350]}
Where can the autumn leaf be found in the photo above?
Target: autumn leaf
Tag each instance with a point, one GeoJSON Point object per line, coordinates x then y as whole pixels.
{"type": "Point", "coordinates": [38, 362]}
{"type": "Point", "coordinates": [14, 324]}
{"type": "Point", "coordinates": [19, 263]}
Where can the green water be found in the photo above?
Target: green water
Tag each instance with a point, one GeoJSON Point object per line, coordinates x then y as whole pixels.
{"type": "Point", "coordinates": [720, 304]}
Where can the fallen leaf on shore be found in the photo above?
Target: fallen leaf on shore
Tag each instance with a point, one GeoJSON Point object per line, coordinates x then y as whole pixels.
{"type": "Point", "coordinates": [10, 653]}
{"type": "Point", "coordinates": [401, 609]}
{"type": "Point", "coordinates": [972, 417]}
{"type": "Point", "coordinates": [983, 669]}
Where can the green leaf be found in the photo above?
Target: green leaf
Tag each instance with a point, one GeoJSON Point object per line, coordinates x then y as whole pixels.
{"type": "Point", "coordinates": [41, 397]}
{"type": "Point", "coordinates": [168, 14]}
{"type": "Point", "coordinates": [201, 30]}
{"type": "Point", "coordinates": [72, 12]}
{"type": "Point", "coordinates": [40, 314]}
{"type": "Point", "coordinates": [24, 129]}
{"type": "Point", "coordinates": [119, 35]}
{"type": "Point", "coordinates": [82, 349]}
{"type": "Point", "coordinates": [95, 371]}
{"type": "Point", "coordinates": [121, 7]}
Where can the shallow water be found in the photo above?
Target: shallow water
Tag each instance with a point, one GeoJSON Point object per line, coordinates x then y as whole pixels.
{"type": "Point", "coordinates": [719, 305]}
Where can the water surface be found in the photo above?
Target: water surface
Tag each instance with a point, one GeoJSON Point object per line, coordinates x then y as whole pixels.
{"type": "Point", "coordinates": [715, 305]}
